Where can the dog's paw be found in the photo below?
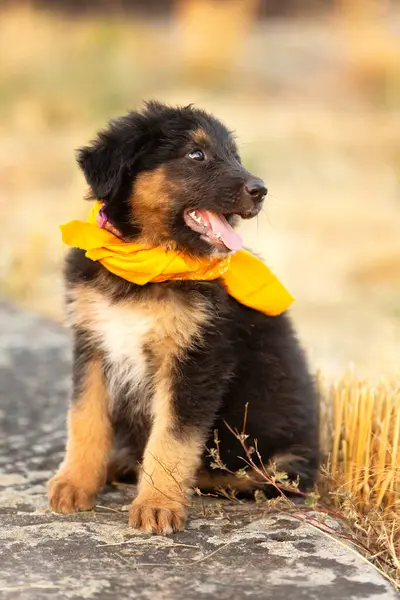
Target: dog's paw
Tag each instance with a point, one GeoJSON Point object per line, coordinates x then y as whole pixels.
{"type": "Point", "coordinates": [157, 515]}
{"type": "Point", "coordinates": [64, 497]}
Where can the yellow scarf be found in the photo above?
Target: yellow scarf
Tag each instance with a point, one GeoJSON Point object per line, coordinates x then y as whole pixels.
{"type": "Point", "coordinates": [245, 277]}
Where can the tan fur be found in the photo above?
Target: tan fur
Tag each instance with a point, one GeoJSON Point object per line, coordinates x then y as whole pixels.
{"type": "Point", "coordinates": [162, 325]}
{"type": "Point", "coordinates": [227, 481]}
{"type": "Point", "coordinates": [121, 331]}
{"type": "Point", "coordinates": [164, 318]}
{"type": "Point", "coordinates": [201, 138]}
{"type": "Point", "coordinates": [169, 464]}
{"type": "Point", "coordinates": [151, 203]}
{"type": "Point", "coordinates": [83, 471]}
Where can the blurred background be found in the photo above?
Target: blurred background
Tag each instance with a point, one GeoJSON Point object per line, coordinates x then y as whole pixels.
{"type": "Point", "coordinates": [313, 92]}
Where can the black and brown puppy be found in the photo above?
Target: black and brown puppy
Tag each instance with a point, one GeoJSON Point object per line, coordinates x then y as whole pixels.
{"type": "Point", "coordinates": [157, 368]}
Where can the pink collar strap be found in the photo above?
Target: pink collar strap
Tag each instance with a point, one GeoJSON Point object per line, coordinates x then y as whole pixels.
{"type": "Point", "coordinates": [101, 218]}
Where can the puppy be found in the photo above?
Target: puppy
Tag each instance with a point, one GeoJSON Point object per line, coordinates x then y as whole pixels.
{"type": "Point", "coordinates": [159, 368]}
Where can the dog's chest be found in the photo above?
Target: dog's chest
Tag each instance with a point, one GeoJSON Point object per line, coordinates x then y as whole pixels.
{"type": "Point", "coordinates": [124, 338]}
{"type": "Point", "coordinates": [136, 338]}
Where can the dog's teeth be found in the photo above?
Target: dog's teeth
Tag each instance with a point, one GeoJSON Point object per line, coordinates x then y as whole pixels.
{"type": "Point", "coordinates": [194, 216]}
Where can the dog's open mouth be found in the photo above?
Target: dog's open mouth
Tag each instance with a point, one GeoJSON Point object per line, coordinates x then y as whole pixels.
{"type": "Point", "coordinates": [214, 228]}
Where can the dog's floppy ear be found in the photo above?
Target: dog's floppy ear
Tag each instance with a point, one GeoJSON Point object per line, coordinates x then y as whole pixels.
{"type": "Point", "coordinates": [102, 165]}
{"type": "Point", "coordinates": [109, 161]}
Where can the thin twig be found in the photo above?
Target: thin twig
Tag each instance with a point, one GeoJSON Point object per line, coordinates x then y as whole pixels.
{"type": "Point", "coordinates": [190, 562]}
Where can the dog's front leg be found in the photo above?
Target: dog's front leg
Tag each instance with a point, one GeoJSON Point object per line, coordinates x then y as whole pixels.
{"type": "Point", "coordinates": [184, 408]}
{"type": "Point", "coordinates": [83, 471]}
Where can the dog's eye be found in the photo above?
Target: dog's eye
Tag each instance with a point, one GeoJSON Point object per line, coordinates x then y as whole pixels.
{"type": "Point", "coordinates": [197, 155]}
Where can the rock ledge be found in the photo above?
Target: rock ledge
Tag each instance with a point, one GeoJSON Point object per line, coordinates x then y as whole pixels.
{"type": "Point", "coordinates": [230, 550]}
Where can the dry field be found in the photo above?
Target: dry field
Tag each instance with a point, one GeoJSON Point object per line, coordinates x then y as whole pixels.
{"type": "Point", "coordinates": [330, 155]}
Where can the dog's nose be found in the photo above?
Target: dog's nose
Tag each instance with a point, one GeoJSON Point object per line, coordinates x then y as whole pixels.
{"type": "Point", "coordinates": [256, 189]}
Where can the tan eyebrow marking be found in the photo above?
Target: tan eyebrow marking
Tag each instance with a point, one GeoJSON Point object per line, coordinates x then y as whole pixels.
{"type": "Point", "coordinates": [201, 137]}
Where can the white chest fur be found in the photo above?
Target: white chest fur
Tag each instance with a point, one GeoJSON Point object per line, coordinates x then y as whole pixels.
{"type": "Point", "coordinates": [123, 335]}
{"type": "Point", "coordinates": [129, 333]}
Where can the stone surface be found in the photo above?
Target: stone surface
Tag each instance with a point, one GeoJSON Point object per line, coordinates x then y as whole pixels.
{"type": "Point", "coordinates": [229, 550]}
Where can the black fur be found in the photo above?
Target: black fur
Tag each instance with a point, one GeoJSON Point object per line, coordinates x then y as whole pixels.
{"type": "Point", "coordinates": [245, 357]}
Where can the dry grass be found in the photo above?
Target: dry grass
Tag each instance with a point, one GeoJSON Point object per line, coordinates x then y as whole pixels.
{"type": "Point", "coordinates": [361, 432]}
{"type": "Point", "coordinates": [365, 451]}
{"type": "Point", "coordinates": [359, 483]}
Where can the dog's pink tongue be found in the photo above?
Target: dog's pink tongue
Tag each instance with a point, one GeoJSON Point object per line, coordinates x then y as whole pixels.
{"type": "Point", "coordinates": [219, 224]}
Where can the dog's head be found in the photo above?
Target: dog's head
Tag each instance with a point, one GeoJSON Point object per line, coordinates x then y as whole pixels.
{"type": "Point", "coordinates": [172, 177]}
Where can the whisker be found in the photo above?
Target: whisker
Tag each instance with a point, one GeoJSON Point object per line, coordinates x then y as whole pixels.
{"type": "Point", "coordinates": [264, 212]}
{"type": "Point", "coordinates": [273, 196]}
